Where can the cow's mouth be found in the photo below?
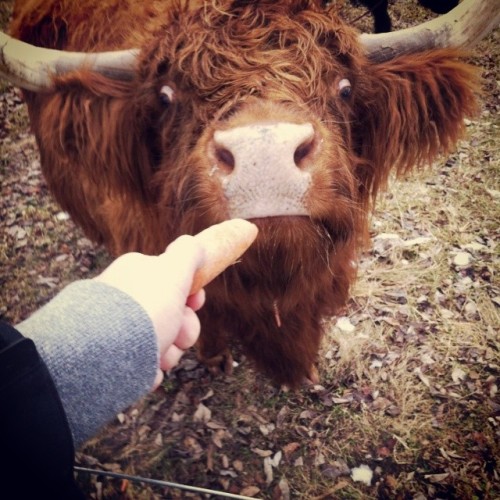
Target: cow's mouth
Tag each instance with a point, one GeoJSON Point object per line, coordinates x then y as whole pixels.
{"type": "Point", "coordinates": [279, 219]}
{"type": "Point", "coordinates": [265, 209]}
{"type": "Point", "coordinates": [294, 231]}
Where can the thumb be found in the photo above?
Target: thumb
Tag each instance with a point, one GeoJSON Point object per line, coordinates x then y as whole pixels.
{"type": "Point", "coordinates": [178, 265]}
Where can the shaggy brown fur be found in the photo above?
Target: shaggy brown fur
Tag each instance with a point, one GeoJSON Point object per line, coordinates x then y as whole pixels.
{"type": "Point", "coordinates": [134, 173]}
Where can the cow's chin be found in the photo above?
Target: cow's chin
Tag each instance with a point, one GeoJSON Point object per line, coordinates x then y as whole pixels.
{"type": "Point", "coordinates": [289, 255]}
{"type": "Point", "coordinates": [297, 238]}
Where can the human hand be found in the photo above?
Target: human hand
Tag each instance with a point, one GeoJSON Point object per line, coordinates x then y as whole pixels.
{"type": "Point", "coordinates": [161, 285]}
{"type": "Point", "coordinates": [188, 264]}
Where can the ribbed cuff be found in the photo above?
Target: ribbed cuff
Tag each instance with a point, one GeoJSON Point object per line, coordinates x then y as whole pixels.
{"type": "Point", "coordinates": [100, 348]}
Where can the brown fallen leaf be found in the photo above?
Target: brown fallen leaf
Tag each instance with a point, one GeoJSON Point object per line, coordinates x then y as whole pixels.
{"type": "Point", "coordinates": [290, 448]}
{"type": "Point", "coordinates": [437, 478]}
{"type": "Point", "coordinates": [268, 470]}
{"type": "Point", "coordinates": [249, 491]}
{"type": "Point", "coordinates": [238, 465]}
{"type": "Point", "coordinates": [284, 489]}
{"type": "Point", "coordinates": [202, 414]}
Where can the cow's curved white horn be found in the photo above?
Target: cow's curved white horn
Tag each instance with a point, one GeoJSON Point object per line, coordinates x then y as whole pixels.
{"type": "Point", "coordinates": [32, 68]}
{"type": "Point", "coordinates": [462, 27]}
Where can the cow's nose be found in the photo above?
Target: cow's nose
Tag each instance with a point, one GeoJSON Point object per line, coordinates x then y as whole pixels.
{"type": "Point", "coordinates": [290, 143]}
{"type": "Point", "coordinates": [263, 167]}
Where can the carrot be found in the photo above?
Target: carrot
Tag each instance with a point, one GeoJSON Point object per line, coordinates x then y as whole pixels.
{"type": "Point", "coordinates": [223, 243]}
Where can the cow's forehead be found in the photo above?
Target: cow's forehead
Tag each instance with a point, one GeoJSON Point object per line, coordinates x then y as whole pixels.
{"type": "Point", "coordinates": [260, 26]}
{"type": "Point", "coordinates": [252, 45]}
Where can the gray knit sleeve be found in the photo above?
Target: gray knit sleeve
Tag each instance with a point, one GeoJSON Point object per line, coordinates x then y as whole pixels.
{"type": "Point", "coordinates": [100, 348]}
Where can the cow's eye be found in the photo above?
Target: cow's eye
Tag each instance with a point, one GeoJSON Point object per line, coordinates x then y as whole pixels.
{"type": "Point", "coordinates": [167, 95]}
{"type": "Point", "coordinates": [345, 88]}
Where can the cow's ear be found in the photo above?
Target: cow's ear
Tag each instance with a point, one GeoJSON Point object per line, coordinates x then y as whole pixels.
{"type": "Point", "coordinates": [97, 147]}
{"type": "Point", "coordinates": [410, 110]}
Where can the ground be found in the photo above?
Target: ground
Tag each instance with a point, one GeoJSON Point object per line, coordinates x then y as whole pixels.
{"type": "Point", "coordinates": [409, 374]}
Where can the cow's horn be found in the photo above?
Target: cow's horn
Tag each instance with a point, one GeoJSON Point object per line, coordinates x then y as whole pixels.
{"type": "Point", "coordinates": [462, 27]}
{"type": "Point", "coordinates": [32, 68]}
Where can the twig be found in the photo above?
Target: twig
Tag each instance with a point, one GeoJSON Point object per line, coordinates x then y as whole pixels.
{"type": "Point", "coordinates": [158, 482]}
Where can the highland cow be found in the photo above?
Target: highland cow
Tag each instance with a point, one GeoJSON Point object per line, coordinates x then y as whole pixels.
{"type": "Point", "coordinates": [273, 111]}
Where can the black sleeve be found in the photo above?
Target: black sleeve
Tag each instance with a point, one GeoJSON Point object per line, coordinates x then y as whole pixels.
{"type": "Point", "coordinates": [36, 446]}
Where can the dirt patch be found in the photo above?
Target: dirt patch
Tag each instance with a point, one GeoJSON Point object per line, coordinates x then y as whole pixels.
{"type": "Point", "coordinates": [409, 375]}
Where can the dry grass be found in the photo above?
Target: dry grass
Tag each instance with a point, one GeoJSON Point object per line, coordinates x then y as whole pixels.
{"type": "Point", "coordinates": [410, 391]}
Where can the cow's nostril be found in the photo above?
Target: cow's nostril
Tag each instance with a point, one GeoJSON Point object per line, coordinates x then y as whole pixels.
{"type": "Point", "coordinates": [225, 158]}
{"type": "Point", "coordinates": [302, 152]}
